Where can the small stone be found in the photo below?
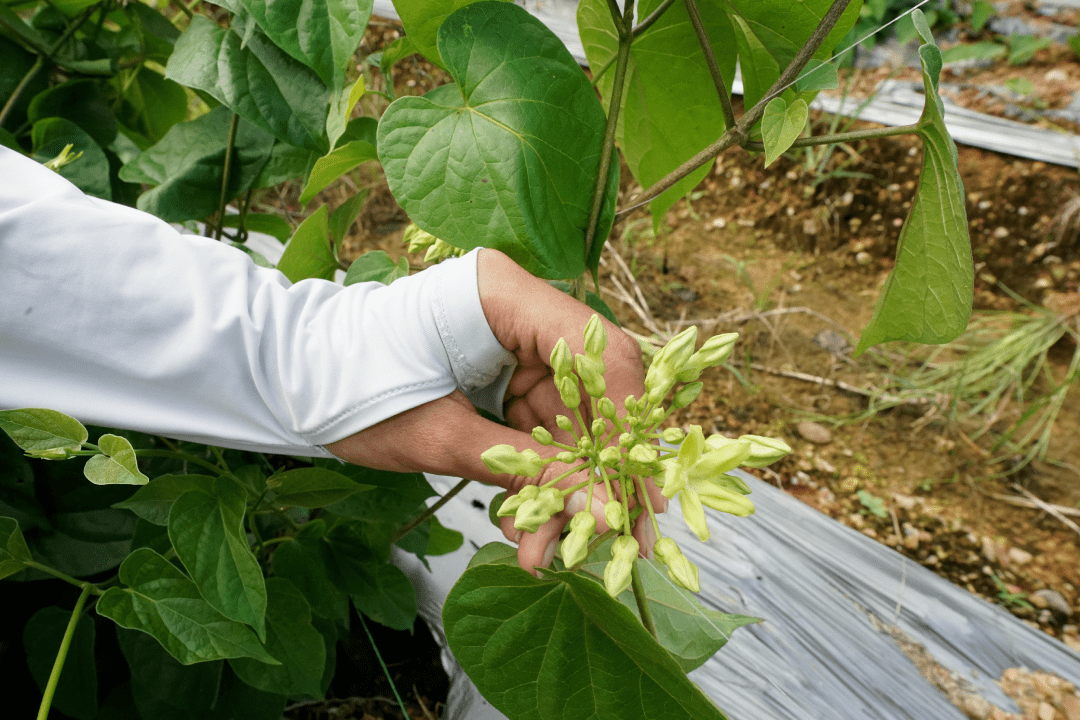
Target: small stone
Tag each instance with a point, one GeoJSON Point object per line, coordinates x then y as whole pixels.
{"type": "Point", "coordinates": [1054, 600]}
{"type": "Point", "coordinates": [824, 465]}
{"type": "Point", "coordinates": [1019, 557]}
{"type": "Point", "coordinates": [814, 432]}
{"type": "Point", "coordinates": [977, 707]}
{"type": "Point", "coordinates": [1001, 232]}
{"type": "Point", "coordinates": [1072, 642]}
{"type": "Point", "coordinates": [864, 258]}
{"type": "Point", "coordinates": [1046, 711]}
{"type": "Point", "coordinates": [1039, 601]}
{"type": "Point", "coordinates": [1045, 617]}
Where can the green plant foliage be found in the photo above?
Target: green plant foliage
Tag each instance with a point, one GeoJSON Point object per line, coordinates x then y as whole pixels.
{"type": "Point", "coordinates": [781, 125]}
{"type": "Point", "coordinates": [207, 531]}
{"type": "Point", "coordinates": [981, 12]}
{"type": "Point", "coordinates": [872, 503]}
{"type": "Point", "coordinates": [330, 167]}
{"type": "Point", "coordinates": [312, 487]}
{"type": "Point", "coordinates": [293, 642]}
{"type": "Point", "coordinates": [162, 601]}
{"type": "Point", "coordinates": [422, 21]}
{"type": "Point", "coordinates": [670, 109]}
{"type": "Point", "coordinates": [305, 560]}
{"type": "Point", "coordinates": [14, 554]}
{"type": "Point", "coordinates": [378, 590]}
{"type": "Point", "coordinates": [927, 297]}
{"type": "Point", "coordinates": [187, 166]}
{"type": "Point", "coordinates": [43, 433]}
{"type": "Point", "coordinates": [985, 50]}
{"type": "Point", "coordinates": [477, 164]}
{"type": "Point", "coordinates": [271, 225]}
{"type": "Point", "coordinates": [163, 688]}
{"type": "Point", "coordinates": [152, 104]}
{"type": "Point", "coordinates": [309, 253]}
{"type": "Point", "coordinates": [245, 71]}
{"type": "Point", "coordinates": [376, 266]}
{"type": "Point", "coordinates": [343, 217]}
{"type": "Point", "coordinates": [116, 465]}
{"type": "Point", "coordinates": [77, 691]}
{"type": "Point", "coordinates": [90, 172]}
{"type": "Point", "coordinates": [1023, 47]}
{"type": "Point", "coordinates": [321, 34]}
{"type": "Point", "coordinates": [533, 647]}
{"type": "Point", "coordinates": [153, 501]}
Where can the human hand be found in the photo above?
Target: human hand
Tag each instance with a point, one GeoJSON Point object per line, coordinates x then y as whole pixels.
{"type": "Point", "coordinates": [447, 436]}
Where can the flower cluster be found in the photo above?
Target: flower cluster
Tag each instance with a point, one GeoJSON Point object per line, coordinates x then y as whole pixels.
{"type": "Point", "coordinates": [622, 451]}
{"type": "Point", "coordinates": [435, 249]}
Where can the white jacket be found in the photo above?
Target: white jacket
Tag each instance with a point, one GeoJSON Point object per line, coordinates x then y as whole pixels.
{"type": "Point", "coordinates": [112, 316]}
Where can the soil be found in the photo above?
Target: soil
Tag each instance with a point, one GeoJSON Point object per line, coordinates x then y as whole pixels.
{"type": "Point", "coordinates": [793, 257]}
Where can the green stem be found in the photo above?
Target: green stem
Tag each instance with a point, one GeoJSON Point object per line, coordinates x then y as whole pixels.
{"type": "Point", "coordinates": [647, 22]}
{"type": "Point", "coordinates": [233, 125]}
{"type": "Point", "coordinates": [186, 457]}
{"type": "Point", "coordinates": [61, 655]}
{"type": "Point", "coordinates": [185, 9]}
{"type": "Point", "coordinates": [710, 60]}
{"type": "Point", "coordinates": [20, 87]}
{"type": "Point", "coordinates": [626, 38]}
{"type": "Point", "coordinates": [408, 528]}
{"type": "Point", "coordinates": [642, 600]}
{"type": "Point", "coordinates": [386, 670]}
{"type": "Point", "coordinates": [844, 137]}
{"type": "Point", "coordinates": [62, 576]}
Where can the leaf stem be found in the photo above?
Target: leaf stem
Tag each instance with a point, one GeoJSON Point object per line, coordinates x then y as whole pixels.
{"type": "Point", "coordinates": [737, 134]}
{"type": "Point", "coordinates": [186, 457]}
{"type": "Point", "coordinates": [626, 38]}
{"type": "Point", "coordinates": [710, 60]}
{"type": "Point", "coordinates": [20, 87]}
{"type": "Point", "coordinates": [386, 670]}
{"type": "Point", "coordinates": [61, 655]}
{"type": "Point", "coordinates": [412, 524]}
{"type": "Point", "coordinates": [844, 137]}
{"type": "Point", "coordinates": [62, 576]}
{"type": "Point", "coordinates": [234, 123]}
{"type": "Point", "coordinates": [642, 600]}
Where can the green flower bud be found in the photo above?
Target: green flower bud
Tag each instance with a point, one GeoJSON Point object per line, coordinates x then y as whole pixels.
{"type": "Point", "coordinates": [643, 454]}
{"type": "Point", "coordinates": [565, 424]}
{"type": "Point", "coordinates": [686, 395]}
{"type": "Point", "coordinates": [534, 513]}
{"type": "Point", "coordinates": [568, 391]}
{"type": "Point", "coordinates": [607, 409]}
{"type": "Point", "coordinates": [723, 459]}
{"type": "Point", "coordinates": [681, 571]}
{"type": "Point", "coordinates": [595, 337]}
{"type": "Point", "coordinates": [630, 404]}
{"type": "Point", "coordinates": [610, 456]}
{"type": "Point", "coordinates": [673, 435]}
{"type": "Point", "coordinates": [585, 443]}
{"type": "Point", "coordinates": [567, 456]}
{"type": "Point", "coordinates": [658, 388]}
{"type": "Point", "coordinates": [591, 373]}
{"type": "Point", "coordinates": [624, 550]}
{"type": "Point", "coordinates": [504, 459]}
{"type": "Point", "coordinates": [541, 435]}
{"type": "Point", "coordinates": [513, 502]}
{"type": "Point", "coordinates": [626, 439]}
{"type": "Point", "coordinates": [576, 545]}
{"type": "Point", "coordinates": [562, 361]}
{"type": "Point", "coordinates": [689, 373]}
{"type": "Point", "coordinates": [599, 427]}
{"type": "Point", "coordinates": [614, 514]}
{"type": "Point", "coordinates": [678, 350]}
{"type": "Point", "coordinates": [655, 417]}
{"type": "Point", "coordinates": [720, 498]}
{"type": "Point", "coordinates": [716, 350]}
{"type": "Point", "coordinates": [764, 450]}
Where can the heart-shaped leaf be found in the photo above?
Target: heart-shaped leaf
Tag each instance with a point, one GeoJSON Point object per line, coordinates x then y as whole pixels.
{"type": "Point", "coordinates": [781, 125]}
{"type": "Point", "coordinates": [508, 157]}
{"type": "Point", "coordinates": [928, 295]}
{"type": "Point", "coordinates": [312, 487]}
{"type": "Point", "coordinates": [116, 466]}
{"type": "Point", "coordinates": [309, 253]}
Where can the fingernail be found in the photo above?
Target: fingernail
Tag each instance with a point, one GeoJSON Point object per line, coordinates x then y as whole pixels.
{"type": "Point", "coordinates": [517, 536]}
{"type": "Point", "coordinates": [576, 503]}
{"type": "Point", "coordinates": [549, 554]}
{"type": "Point", "coordinates": [649, 534]}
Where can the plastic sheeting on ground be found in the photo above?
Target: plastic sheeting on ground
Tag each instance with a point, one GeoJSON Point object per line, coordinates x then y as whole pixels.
{"type": "Point", "coordinates": [824, 590]}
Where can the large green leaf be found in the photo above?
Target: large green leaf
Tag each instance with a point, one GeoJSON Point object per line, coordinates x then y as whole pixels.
{"type": "Point", "coordinates": [312, 487]}
{"type": "Point", "coordinates": [162, 601]}
{"type": "Point", "coordinates": [207, 531]}
{"type": "Point", "coordinates": [304, 560]}
{"type": "Point", "coordinates": [508, 157]}
{"type": "Point", "coordinates": [76, 693]}
{"type": "Point", "coordinates": [43, 433]}
{"type": "Point", "coordinates": [116, 465]}
{"type": "Point", "coordinates": [249, 74]}
{"type": "Point", "coordinates": [422, 20]}
{"type": "Point", "coordinates": [292, 640]}
{"type": "Point", "coordinates": [561, 648]}
{"type": "Point", "coordinates": [161, 687]}
{"type": "Point", "coordinates": [90, 172]}
{"type": "Point", "coordinates": [153, 501]}
{"type": "Point", "coordinates": [14, 554]}
{"type": "Point", "coordinates": [151, 104]}
{"type": "Point", "coordinates": [321, 34]}
{"type": "Point", "coordinates": [187, 166]}
{"type": "Point", "coordinates": [81, 102]}
{"type": "Point", "coordinates": [670, 109]}
{"type": "Point", "coordinates": [309, 253]}
{"type": "Point", "coordinates": [928, 295]}
{"type": "Point", "coordinates": [380, 591]}
{"type": "Point", "coordinates": [330, 167]}
{"type": "Point", "coordinates": [398, 498]}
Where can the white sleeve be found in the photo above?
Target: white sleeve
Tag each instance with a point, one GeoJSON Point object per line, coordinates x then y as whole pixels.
{"type": "Point", "coordinates": [110, 315]}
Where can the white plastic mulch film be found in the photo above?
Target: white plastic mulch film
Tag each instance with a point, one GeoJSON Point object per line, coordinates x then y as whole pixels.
{"type": "Point", "coordinates": [827, 594]}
